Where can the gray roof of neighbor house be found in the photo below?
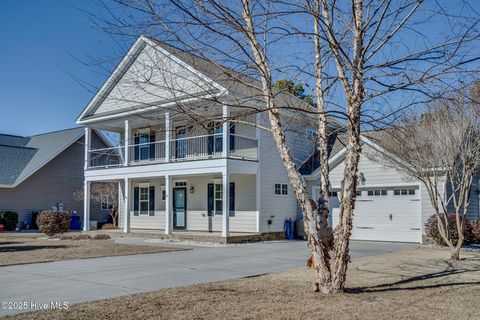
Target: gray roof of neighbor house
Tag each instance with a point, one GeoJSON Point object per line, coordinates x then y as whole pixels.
{"type": "Point", "coordinates": [20, 157]}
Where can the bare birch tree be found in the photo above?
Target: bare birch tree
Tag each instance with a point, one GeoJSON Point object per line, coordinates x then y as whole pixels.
{"type": "Point", "coordinates": [441, 148]}
{"type": "Point", "coordinates": [353, 56]}
{"type": "Point", "coordinates": [106, 195]}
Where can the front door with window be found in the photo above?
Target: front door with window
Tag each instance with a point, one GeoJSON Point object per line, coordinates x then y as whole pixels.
{"type": "Point", "coordinates": [180, 208]}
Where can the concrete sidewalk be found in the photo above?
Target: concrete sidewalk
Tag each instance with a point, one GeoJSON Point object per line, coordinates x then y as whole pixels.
{"type": "Point", "coordinates": [77, 281]}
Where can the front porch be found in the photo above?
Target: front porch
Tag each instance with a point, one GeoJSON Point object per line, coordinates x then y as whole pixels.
{"type": "Point", "coordinates": [210, 204]}
{"type": "Point", "coordinates": [199, 236]}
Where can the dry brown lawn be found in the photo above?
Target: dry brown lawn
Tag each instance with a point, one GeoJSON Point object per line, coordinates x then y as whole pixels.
{"type": "Point", "coordinates": [29, 249]}
{"type": "Point", "coordinates": [414, 284]}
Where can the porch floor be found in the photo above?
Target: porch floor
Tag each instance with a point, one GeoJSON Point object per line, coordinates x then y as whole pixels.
{"type": "Point", "coordinates": [201, 236]}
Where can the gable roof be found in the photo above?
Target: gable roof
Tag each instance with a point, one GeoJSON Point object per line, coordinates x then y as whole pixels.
{"type": "Point", "coordinates": [224, 79]}
{"type": "Point", "coordinates": [373, 139]}
{"type": "Point", "coordinates": [336, 145]}
{"type": "Point", "coordinates": [20, 157]}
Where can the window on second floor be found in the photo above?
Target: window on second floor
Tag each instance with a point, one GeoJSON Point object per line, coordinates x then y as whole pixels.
{"type": "Point", "coordinates": [281, 189]}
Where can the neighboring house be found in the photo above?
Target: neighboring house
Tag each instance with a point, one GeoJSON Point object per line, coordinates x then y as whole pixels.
{"type": "Point", "coordinates": [389, 205]}
{"type": "Point", "coordinates": [223, 177]}
{"type": "Point", "coordinates": [42, 172]}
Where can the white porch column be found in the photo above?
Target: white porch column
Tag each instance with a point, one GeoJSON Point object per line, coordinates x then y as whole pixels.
{"type": "Point", "coordinates": [167, 137]}
{"type": "Point", "coordinates": [88, 140]}
{"type": "Point", "coordinates": [126, 205]}
{"type": "Point", "coordinates": [257, 176]}
{"type": "Point", "coordinates": [225, 132]}
{"type": "Point", "coordinates": [257, 199]}
{"type": "Point", "coordinates": [86, 205]}
{"type": "Point", "coordinates": [168, 205]}
{"type": "Point", "coordinates": [127, 143]}
{"type": "Point", "coordinates": [226, 204]}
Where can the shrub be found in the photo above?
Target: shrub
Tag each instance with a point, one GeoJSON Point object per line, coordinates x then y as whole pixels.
{"type": "Point", "coordinates": [108, 226]}
{"type": "Point", "coordinates": [475, 224]}
{"type": "Point", "coordinates": [82, 236]}
{"type": "Point", "coordinates": [53, 222]}
{"type": "Point", "coordinates": [431, 230]}
{"type": "Point", "coordinates": [101, 236]}
{"type": "Point", "coordinates": [9, 219]}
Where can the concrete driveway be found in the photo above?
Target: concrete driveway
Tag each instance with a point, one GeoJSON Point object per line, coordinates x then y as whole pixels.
{"type": "Point", "coordinates": [77, 281]}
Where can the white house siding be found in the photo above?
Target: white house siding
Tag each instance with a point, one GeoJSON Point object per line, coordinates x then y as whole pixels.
{"type": "Point", "coordinates": [377, 175]}
{"type": "Point", "coordinates": [167, 79]}
{"type": "Point", "coordinates": [197, 217]}
{"type": "Point", "coordinates": [245, 200]}
{"type": "Point", "coordinates": [273, 171]}
{"type": "Point", "coordinates": [156, 221]}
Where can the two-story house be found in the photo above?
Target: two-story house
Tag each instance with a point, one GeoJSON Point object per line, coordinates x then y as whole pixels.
{"type": "Point", "coordinates": [191, 154]}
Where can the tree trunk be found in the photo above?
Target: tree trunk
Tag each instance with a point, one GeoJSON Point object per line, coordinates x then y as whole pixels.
{"type": "Point", "coordinates": [114, 218]}
{"type": "Point", "coordinates": [455, 254]}
{"type": "Point", "coordinates": [319, 258]}
{"type": "Point", "coordinates": [348, 192]}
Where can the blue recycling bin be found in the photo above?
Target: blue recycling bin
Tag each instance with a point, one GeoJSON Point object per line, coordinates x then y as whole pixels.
{"type": "Point", "coordinates": [75, 222]}
{"type": "Point", "coordinates": [288, 229]}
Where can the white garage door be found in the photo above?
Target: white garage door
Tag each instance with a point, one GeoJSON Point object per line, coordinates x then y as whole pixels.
{"type": "Point", "coordinates": [385, 214]}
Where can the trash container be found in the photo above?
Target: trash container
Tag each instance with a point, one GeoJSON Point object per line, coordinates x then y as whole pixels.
{"type": "Point", "coordinates": [288, 229]}
{"type": "Point", "coordinates": [74, 222]}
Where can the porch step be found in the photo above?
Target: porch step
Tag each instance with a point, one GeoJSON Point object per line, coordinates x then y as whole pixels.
{"type": "Point", "coordinates": [211, 237]}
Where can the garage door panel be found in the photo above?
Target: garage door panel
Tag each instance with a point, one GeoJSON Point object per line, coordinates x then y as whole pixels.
{"type": "Point", "coordinates": [385, 218]}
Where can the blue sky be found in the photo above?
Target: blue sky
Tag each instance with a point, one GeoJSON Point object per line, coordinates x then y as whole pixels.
{"type": "Point", "coordinates": [40, 44]}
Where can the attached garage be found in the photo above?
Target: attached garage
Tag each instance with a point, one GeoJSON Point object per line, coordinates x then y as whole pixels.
{"type": "Point", "coordinates": [384, 214]}
{"type": "Point", "coordinates": [389, 205]}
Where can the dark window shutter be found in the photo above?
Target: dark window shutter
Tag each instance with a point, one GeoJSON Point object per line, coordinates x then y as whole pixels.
{"type": "Point", "coordinates": [210, 199]}
{"type": "Point", "coordinates": [136, 141]}
{"type": "Point", "coordinates": [232, 199]}
{"type": "Point", "coordinates": [136, 196]}
{"type": "Point", "coordinates": [232, 138]}
{"type": "Point", "coordinates": [152, 201]}
{"type": "Point", "coordinates": [153, 147]}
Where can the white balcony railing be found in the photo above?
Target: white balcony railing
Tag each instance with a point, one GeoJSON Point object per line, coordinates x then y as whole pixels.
{"type": "Point", "coordinates": [243, 147]}
{"type": "Point", "coordinates": [106, 157]}
{"type": "Point", "coordinates": [181, 149]}
{"type": "Point", "coordinates": [145, 152]}
{"type": "Point", "coordinates": [197, 147]}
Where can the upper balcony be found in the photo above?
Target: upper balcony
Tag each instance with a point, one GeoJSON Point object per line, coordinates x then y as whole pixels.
{"type": "Point", "coordinates": [144, 152]}
{"type": "Point", "coordinates": [172, 140]}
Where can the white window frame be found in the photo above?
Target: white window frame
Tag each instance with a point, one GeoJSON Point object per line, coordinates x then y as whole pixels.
{"type": "Point", "coordinates": [180, 183]}
{"type": "Point", "coordinates": [283, 187]}
{"type": "Point", "coordinates": [215, 199]}
{"type": "Point", "coordinates": [102, 207]}
{"type": "Point", "coordinates": [379, 191]}
{"type": "Point", "coordinates": [404, 192]}
{"type": "Point", "coordinates": [140, 187]}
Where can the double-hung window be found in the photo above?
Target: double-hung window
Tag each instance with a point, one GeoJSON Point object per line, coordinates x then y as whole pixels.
{"type": "Point", "coordinates": [218, 199]}
{"type": "Point", "coordinates": [106, 202]}
{"type": "Point", "coordinates": [281, 189]}
{"type": "Point", "coordinates": [144, 200]}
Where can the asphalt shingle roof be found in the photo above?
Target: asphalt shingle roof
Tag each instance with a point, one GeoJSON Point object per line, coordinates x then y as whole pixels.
{"type": "Point", "coordinates": [20, 157]}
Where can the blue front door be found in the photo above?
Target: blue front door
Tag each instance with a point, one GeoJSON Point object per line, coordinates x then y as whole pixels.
{"type": "Point", "coordinates": [180, 208]}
